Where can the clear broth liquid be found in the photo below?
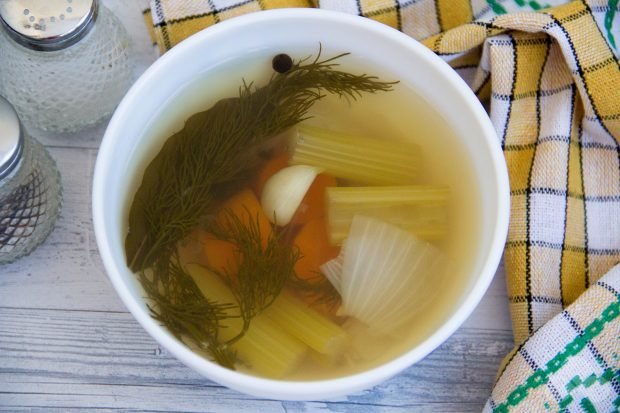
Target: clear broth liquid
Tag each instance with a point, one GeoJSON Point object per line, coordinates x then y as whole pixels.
{"type": "Point", "coordinates": [400, 115]}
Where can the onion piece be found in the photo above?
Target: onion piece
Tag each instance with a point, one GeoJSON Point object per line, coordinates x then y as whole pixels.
{"type": "Point", "coordinates": [387, 274]}
{"type": "Point", "coordinates": [332, 270]}
{"type": "Point", "coordinates": [284, 191]}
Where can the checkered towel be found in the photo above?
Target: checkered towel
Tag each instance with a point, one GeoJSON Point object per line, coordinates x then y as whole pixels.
{"type": "Point", "coordinates": [550, 70]}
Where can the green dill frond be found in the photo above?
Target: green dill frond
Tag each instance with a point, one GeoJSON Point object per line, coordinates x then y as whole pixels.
{"type": "Point", "coordinates": [262, 269]}
{"type": "Point", "coordinates": [217, 149]}
{"type": "Point", "coordinates": [317, 290]}
{"type": "Point", "coordinates": [191, 317]}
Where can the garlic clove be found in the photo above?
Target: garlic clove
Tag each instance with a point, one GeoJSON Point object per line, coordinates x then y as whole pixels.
{"type": "Point", "coordinates": [284, 191]}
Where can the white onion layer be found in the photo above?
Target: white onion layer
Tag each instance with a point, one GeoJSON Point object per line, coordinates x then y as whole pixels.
{"type": "Point", "coordinates": [387, 274]}
{"type": "Point", "coordinates": [332, 270]}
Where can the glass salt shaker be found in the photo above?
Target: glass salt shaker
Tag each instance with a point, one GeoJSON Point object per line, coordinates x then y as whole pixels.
{"type": "Point", "coordinates": [30, 190]}
{"type": "Point", "coordinates": [65, 64]}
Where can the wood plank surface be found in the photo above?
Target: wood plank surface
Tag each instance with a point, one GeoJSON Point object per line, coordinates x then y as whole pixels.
{"type": "Point", "coordinates": [68, 344]}
{"type": "Point", "coordinates": [79, 359]}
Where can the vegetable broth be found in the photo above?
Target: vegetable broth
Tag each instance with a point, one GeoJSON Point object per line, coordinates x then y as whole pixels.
{"type": "Point", "coordinates": [399, 115]}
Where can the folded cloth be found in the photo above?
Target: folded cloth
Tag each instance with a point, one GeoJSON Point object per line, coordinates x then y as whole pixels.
{"type": "Point", "coordinates": [171, 21]}
{"type": "Point", "coordinates": [572, 363]}
{"type": "Point", "coordinates": [550, 72]}
{"type": "Point", "coordinates": [555, 103]}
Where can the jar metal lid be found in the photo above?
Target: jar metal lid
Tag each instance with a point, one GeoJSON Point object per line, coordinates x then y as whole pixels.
{"type": "Point", "coordinates": [48, 25]}
{"type": "Point", "coordinates": [11, 138]}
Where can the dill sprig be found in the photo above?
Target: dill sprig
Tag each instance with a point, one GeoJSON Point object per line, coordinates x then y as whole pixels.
{"type": "Point", "coordinates": [263, 267]}
{"type": "Point", "coordinates": [317, 290]}
{"type": "Point", "coordinates": [216, 149]}
{"type": "Point", "coordinates": [188, 314]}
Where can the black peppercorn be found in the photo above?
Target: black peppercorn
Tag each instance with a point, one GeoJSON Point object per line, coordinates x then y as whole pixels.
{"type": "Point", "coordinates": [282, 63]}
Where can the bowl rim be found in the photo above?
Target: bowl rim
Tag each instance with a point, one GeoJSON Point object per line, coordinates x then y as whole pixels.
{"type": "Point", "coordinates": [316, 389]}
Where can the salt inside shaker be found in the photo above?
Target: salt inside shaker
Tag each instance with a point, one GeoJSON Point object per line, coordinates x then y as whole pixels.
{"type": "Point", "coordinates": [64, 64]}
{"type": "Point", "coordinates": [30, 190]}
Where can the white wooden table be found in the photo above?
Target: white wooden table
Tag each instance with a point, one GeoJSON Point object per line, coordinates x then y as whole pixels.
{"type": "Point", "coordinates": [68, 344]}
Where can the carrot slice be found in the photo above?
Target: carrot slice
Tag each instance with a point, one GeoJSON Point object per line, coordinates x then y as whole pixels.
{"type": "Point", "coordinates": [313, 243]}
{"type": "Point", "coordinates": [313, 204]}
{"type": "Point", "coordinates": [221, 255]}
{"type": "Point", "coordinates": [246, 206]}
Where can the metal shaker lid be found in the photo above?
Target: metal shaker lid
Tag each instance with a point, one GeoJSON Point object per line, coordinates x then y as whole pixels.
{"type": "Point", "coordinates": [48, 25]}
{"type": "Point", "coordinates": [11, 138]}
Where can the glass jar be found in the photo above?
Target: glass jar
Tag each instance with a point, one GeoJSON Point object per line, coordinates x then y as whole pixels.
{"type": "Point", "coordinates": [30, 189]}
{"type": "Point", "coordinates": [65, 64]}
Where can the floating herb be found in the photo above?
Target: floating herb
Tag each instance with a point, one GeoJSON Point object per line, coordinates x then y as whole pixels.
{"type": "Point", "coordinates": [263, 268]}
{"type": "Point", "coordinates": [317, 291]}
{"type": "Point", "coordinates": [185, 311]}
{"type": "Point", "coordinates": [216, 149]}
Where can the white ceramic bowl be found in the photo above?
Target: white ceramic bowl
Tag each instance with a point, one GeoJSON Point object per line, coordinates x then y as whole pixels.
{"type": "Point", "coordinates": [126, 145]}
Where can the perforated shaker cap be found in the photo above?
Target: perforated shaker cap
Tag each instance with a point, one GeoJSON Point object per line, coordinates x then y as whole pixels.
{"type": "Point", "coordinates": [11, 138]}
{"type": "Point", "coordinates": [48, 25]}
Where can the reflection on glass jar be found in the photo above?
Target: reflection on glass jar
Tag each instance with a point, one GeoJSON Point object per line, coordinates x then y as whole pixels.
{"type": "Point", "coordinates": [64, 64]}
{"type": "Point", "coordinates": [30, 189]}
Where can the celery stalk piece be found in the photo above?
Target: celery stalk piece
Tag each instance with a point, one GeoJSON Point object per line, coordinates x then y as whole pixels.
{"type": "Point", "coordinates": [358, 159]}
{"type": "Point", "coordinates": [269, 350]}
{"type": "Point", "coordinates": [309, 326]}
{"type": "Point", "coordinates": [421, 210]}
{"type": "Point", "coordinates": [325, 360]}
{"type": "Point", "coordinates": [366, 346]}
{"type": "Point", "coordinates": [265, 347]}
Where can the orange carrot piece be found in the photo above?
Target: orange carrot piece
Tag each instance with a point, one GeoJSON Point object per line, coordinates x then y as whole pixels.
{"type": "Point", "coordinates": [246, 206]}
{"type": "Point", "coordinates": [221, 255]}
{"type": "Point", "coordinates": [200, 247]}
{"type": "Point", "coordinates": [273, 165]}
{"type": "Point", "coordinates": [313, 204]}
{"type": "Point", "coordinates": [313, 243]}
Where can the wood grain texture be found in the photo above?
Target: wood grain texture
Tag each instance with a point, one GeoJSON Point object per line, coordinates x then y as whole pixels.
{"type": "Point", "coordinates": [76, 359]}
{"type": "Point", "coordinates": [65, 269]}
{"type": "Point", "coordinates": [67, 343]}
